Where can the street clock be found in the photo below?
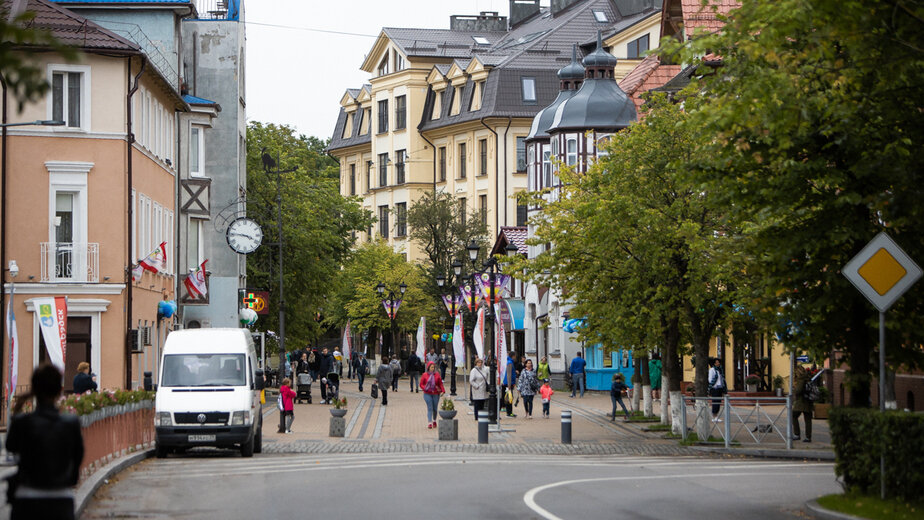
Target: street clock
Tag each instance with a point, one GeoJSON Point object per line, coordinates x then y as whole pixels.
{"type": "Point", "coordinates": [244, 235]}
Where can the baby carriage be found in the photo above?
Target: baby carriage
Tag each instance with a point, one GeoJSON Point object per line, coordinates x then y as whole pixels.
{"type": "Point", "coordinates": [332, 382]}
{"type": "Point", "coordinates": [303, 387]}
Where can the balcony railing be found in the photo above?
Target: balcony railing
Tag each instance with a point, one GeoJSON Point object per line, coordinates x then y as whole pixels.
{"type": "Point", "coordinates": [70, 262]}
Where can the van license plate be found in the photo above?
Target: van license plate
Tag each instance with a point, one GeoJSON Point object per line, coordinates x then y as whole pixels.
{"type": "Point", "coordinates": [201, 438]}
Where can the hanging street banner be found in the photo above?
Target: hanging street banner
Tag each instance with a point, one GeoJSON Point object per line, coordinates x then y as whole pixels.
{"type": "Point", "coordinates": [347, 346]}
{"type": "Point", "coordinates": [458, 343]}
{"type": "Point", "coordinates": [14, 353]}
{"type": "Point", "coordinates": [500, 343]}
{"type": "Point", "coordinates": [391, 308]}
{"type": "Point", "coordinates": [478, 334]}
{"type": "Point", "coordinates": [882, 271]}
{"type": "Point", "coordinates": [52, 315]}
{"type": "Point", "coordinates": [452, 301]}
{"type": "Point", "coordinates": [421, 337]}
{"type": "Point", "coordinates": [472, 300]}
{"type": "Point", "coordinates": [500, 286]}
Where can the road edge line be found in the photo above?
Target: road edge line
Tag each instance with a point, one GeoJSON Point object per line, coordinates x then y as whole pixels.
{"type": "Point", "coordinates": [88, 488]}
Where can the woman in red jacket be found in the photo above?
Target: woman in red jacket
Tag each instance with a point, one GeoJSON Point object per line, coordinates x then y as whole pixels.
{"type": "Point", "coordinates": [432, 385]}
{"type": "Point", "coordinates": [288, 409]}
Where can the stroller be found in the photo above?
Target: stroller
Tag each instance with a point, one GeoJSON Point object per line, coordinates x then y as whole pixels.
{"type": "Point", "coordinates": [333, 386]}
{"type": "Point", "coordinates": [303, 387]}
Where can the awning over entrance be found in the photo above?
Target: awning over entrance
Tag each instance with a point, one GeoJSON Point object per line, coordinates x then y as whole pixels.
{"type": "Point", "coordinates": [512, 312]}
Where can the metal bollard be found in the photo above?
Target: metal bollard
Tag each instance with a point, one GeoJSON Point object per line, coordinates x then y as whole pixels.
{"type": "Point", "coordinates": [483, 421]}
{"type": "Point", "coordinates": [148, 382]}
{"type": "Point", "coordinates": [566, 426]}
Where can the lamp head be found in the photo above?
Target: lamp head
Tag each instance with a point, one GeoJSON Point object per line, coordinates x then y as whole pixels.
{"type": "Point", "coordinates": [473, 251]}
{"type": "Point", "coordinates": [14, 269]}
{"type": "Point", "coordinates": [457, 267]}
{"type": "Point", "coordinates": [380, 288]}
{"type": "Point", "coordinates": [440, 280]}
{"type": "Point", "coordinates": [511, 249]}
{"type": "Point", "coordinates": [402, 287]}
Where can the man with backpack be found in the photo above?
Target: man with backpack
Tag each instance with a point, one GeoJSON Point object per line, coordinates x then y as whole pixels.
{"type": "Point", "coordinates": [717, 388]}
{"type": "Point", "coordinates": [804, 392]}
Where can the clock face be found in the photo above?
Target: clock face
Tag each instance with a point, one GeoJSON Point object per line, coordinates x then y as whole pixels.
{"type": "Point", "coordinates": [244, 235]}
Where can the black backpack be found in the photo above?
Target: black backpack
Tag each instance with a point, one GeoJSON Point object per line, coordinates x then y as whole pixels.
{"type": "Point", "coordinates": [811, 392]}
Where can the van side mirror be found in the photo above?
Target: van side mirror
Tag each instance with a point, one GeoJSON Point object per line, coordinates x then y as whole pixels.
{"type": "Point", "coordinates": [259, 380]}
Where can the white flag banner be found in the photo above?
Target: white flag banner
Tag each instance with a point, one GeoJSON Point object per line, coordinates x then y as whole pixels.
{"type": "Point", "coordinates": [458, 341]}
{"type": "Point", "coordinates": [347, 347]}
{"type": "Point", "coordinates": [52, 314]}
{"type": "Point", "coordinates": [501, 342]}
{"type": "Point", "coordinates": [196, 283]}
{"type": "Point", "coordinates": [478, 334]}
{"type": "Point", "coordinates": [422, 337]}
{"type": "Point", "coordinates": [14, 352]}
{"type": "Point", "coordinates": [156, 261]}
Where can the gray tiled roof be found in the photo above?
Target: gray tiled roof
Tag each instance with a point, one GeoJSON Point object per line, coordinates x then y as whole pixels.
{"type": "Point", "coordinates": [71, 29]}
{"type": "Point", "coordinates": [337, 141]}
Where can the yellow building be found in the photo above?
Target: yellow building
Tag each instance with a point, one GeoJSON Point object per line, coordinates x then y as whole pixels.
{"type": "Point", "coordinates": [449, 109]}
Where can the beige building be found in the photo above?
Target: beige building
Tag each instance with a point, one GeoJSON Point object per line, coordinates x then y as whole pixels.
{"type": "Point", "coordinates": [449, 109]}
{"type": "Point", "coordinates": [83, 201]}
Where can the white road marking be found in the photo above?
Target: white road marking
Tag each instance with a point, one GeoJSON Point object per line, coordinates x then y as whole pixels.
{"type": "Point", "coordinates": [377, 433]}
{"type": "Point", "coordinates": [354, 418]}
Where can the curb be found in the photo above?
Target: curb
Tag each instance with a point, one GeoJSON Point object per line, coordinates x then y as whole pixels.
{"type": "Point", "coordinates": [816, 509]}
{"type": "Point", "coordinates": [89, 486]}
{"type": "Point", "coordinates": [817, 455]}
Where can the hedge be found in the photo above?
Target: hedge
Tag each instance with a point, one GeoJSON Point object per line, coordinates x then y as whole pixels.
{"type": "Point", "coordinates": [860, 435]}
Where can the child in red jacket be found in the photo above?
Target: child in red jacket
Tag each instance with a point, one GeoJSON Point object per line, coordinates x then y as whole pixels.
{"type": "Point", "coordinates": [288, 407]}
{"type": "Point", "coordinates": [546, 392]}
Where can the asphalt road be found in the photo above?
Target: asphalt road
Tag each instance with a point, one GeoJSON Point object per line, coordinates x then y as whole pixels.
{"type": "Point", "coordinates": [452, 485]}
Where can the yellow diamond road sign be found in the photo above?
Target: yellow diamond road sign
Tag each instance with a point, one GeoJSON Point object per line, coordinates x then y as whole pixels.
{"type": "Point", "coordinates": [882, 271]}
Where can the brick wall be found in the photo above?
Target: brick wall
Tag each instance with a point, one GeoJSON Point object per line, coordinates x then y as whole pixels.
{"type": "Point", "coordinates": [909, 390]}
{"type": "Point", "coordinates": [112, 437]}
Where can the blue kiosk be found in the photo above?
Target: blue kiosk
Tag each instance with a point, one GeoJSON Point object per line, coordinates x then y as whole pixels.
{"type": "Point", "coordinates": [599, 373]}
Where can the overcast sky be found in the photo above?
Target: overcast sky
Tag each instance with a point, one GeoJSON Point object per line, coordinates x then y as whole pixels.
{"type": "Point", "coordinates": [299, 65]}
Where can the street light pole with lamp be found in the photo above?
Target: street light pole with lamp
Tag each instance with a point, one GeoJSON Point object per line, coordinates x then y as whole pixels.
{"type": "Point", "coordinates": [391, 309]}
{"type": "Point", "coordinates": [3, 219]}
{"type": "Point", "coordinates": [441, 281]}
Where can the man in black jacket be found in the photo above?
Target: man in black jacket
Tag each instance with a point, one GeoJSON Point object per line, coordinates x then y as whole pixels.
{"type": "Point", "coordinates": [326, 366]}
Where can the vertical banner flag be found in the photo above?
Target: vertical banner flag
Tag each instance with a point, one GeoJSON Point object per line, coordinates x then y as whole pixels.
{"type": "Point", "coordinates": [478, 334]}
{"type": "Point", "coordinates": [195, 282]}
{"type": "Point", "coordinates": [458, 341]}
{"type": "Point", "coordinates": [452, 301]}
{"type": "Point", "coordinates": [52, 314]}
{"type": "Point", "coordinates": [500, 285]}
{"type": "Point", "coordinates": [468, 297]}
{"type": "Point", "coordinates": [391, 308]}
{"type": "Point", "coordinates": [156, 261]}
{"type": "Point", "coordinates": [381, 341]}
{"type": "Point", "coordinates": [501, 342]}
{"type": "Point", "coordinates": [14, 352]}
{"type": "Point", "coordinates": [421, 337]}
{"type": "Point", "coordinates": [347, 347]}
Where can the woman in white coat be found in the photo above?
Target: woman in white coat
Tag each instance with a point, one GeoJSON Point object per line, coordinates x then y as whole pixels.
{"type": "Point", "coordinates": [478, 380]}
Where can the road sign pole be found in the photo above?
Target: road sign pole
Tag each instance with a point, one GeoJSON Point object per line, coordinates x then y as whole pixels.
{"type": "Point", "coordinates": [882, 328]}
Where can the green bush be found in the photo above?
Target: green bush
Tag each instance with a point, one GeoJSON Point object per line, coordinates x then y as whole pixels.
{"type": "Point", "coordinates": [860, 435]}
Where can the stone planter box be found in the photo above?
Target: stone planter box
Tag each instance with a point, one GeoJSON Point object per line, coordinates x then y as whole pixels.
{"type": "Point", "coordinates": [338, 412]}
{"type": "Point", "coordinates": [448, 429]}
{"type": "Point", "coordinates": [448, 414]}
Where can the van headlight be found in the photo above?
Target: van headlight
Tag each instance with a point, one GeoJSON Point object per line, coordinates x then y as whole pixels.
{"type": "Point", "coordinates": [163, 419]}
{"type": "Point", "coordinates": [240, 418]}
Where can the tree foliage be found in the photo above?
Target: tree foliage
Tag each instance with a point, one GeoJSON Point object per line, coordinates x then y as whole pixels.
{"type": "Point", "coordinates": [817, 145]}
{"type": "Point", "coordinates": [318, 225]}
{"type": "Point", "coordinates": [23, 76]}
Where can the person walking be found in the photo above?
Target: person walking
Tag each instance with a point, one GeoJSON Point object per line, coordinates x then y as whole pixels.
{"type": "Point", "coordinates": [577, 374]}
{"type": "Point", "coordinates": [508, 383]}
{"type": "Point", "coordinates": [654, 373]}
{"type": "Point", "coordinates": [383, 378]}
{"type": "Point", "coordinates": [802, 406]}
{"type": "Point", "coordinates": [616, 390]}
{"type": "Point", "coordinates": [717, 388]}
{"type": "Point", "coordinates": [314, 364]}
{"type": "Point", "coordinates": [414, 368]}
{"type": "Point", "coordinates": [546, 392]}
{"type": "Point", "coordinates": [84, 381]}
{"type": "Point", "coordinates": [542, 371]}
{"type": "Point", "coordinates": [432, 356]}
{"type": "Point", "coordinates": [528, 385]}
{"type": "Point", "coordinates": [444, 364]}
{"type": "Point", "coordinates": [361, 369]}
{"type": "Point", "coordinates": [288, 405]}
{"type": "Point", "coordinates": [432, 385]}
{"type": "Point", "coordinates": [478, 380]}
{"type": "Point", "coordinates": [395, 373]}
{"type": "Point", "coordinates": [325, 366]}
{"type": "Point", "coordinates": [338, 362]}
{"type": "Point", "coordinates": [50, 450]}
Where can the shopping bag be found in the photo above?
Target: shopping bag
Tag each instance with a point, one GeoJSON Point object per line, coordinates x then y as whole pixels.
{"type": "Point", "coordinates": [375, 391]}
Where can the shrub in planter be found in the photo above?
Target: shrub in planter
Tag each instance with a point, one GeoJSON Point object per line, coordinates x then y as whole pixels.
{"type": "Point", "coordinates": [752, 379]}
{"type": "Point", "coordinates": [860, 435]}
{"type": "Point", "coordinates": [447, 405]}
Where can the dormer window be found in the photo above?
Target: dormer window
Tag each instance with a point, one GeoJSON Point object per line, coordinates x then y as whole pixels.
{"type": "Point", "coordinates": [481, 40]}
{"type": "Point", "coordinates": [637, 47]}
{"type": "Point", "coordinates": [600, 16]}
{"type": "Point", "coordinates": [383, 66]}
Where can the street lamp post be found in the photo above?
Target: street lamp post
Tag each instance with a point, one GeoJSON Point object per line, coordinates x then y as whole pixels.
{"type": "Point", "coordinates": [440, 281]}
{"type": "Point", "coordinates": [392, 311]}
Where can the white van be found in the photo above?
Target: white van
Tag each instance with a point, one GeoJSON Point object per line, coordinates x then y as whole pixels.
{"type": "Point", "coordinates": [209, 392]}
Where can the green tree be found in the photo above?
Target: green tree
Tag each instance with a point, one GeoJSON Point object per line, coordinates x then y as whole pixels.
{"type": "Point", "coordinates": [636, 246]}
{"type": "Point", "coordinates": [22, 75]}
{"type": "Point", "coordinates": [355, 298]}
{"type": "Point", "coordinates": [318, 226]}
{"type": "Point", "coordinates": [817, 133]}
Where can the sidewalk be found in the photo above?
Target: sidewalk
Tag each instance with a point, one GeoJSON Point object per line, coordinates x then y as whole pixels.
{"type": "Point", "coordinates": [402, 425]}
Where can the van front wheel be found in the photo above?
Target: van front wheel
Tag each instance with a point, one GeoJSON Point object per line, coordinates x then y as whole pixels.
{"type": "Point", "coordinates": [160, 451]}
{"type": "Point", "coordinates": [258, 442]}
{"type": "Point", "coordinates": [247, 447]}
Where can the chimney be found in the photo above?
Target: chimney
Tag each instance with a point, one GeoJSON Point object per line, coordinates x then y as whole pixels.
{"type": "Point", "coordinates": [560, 5]}
{"type": "Point", "coordinates": [522, 10]}
{"type": "Point", "coordinates": [486, 21]}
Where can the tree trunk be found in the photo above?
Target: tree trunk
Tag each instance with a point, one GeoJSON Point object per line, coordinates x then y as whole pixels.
{"type": "Point", "coordinates": [665, 398]}
{"type": "Point", "coordinates": [859, 354]}
{"type": "Point", "coordinates": [636, 385]}
{"type": "Point", "coordinates": [670, 327]}
{"type": "Point", "coordinates": [646, 386]}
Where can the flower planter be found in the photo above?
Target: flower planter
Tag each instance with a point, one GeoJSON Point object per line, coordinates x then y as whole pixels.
{"type": "Point", "coordinates": [752, 388]}
{"type": "Point", "coordinates": [338, 412]}
{"type": "Point", "coordinates": [448, 414]}
{"type": "Point", "coordinates": [821, 410]}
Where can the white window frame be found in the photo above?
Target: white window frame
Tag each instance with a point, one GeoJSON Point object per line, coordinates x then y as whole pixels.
{"type": "Point", "coordinates": [531, 90]}
{"type": "Point", "coordinates": [201, 130]}
{"type": "Point", "coordinates": [69, 177]}
{"type": "Point", "coordinates": [85, 82]}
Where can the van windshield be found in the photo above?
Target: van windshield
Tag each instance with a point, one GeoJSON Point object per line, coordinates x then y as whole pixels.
{"type": "Point", "coordinates": [204, 370]}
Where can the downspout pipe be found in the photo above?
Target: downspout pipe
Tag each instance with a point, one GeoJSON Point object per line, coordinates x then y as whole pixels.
{"type": "Point", "coordinates": [3, 118]}
{"type": "Point", "coordinates": [129, 145]}
{"type": "Point", "coordinates": [509, 122]}
{"type": "Point", "coordinates": [496, 175]}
